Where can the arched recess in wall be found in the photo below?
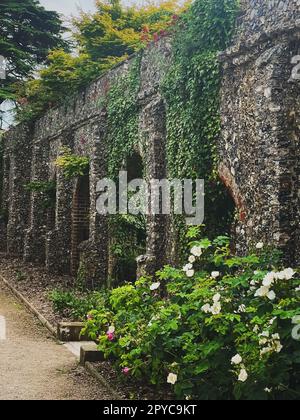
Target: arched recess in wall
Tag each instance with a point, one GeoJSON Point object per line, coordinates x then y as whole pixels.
{"type": "Point", "coordinates": [80, 219]}
{"type": "Point", "coordinates": [127, 233]}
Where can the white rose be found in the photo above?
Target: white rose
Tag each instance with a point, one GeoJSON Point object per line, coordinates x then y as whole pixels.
{"type": "Point", "coordinates": [215, 274]}
{"type": "Point", "coordinates": [172, 378]}
{"type": "Point", "coordinates": [289, 273]}
{"type": "Point", "coordinates": [188, 267]}
{"type": "Point", "coordinates": [217, 298]}
{"type": "Point", "coordinates": [206, 308]}
{"type": "Point", "coordinates": [260, 245]}
{"type": "Point", "coordinates": [278, 346]}
{"type": "Point", "coordinates": [243, 376]}
{"type": "Point", "coordinates": [281, 275]}
{"type": "Point", "coordinates": [192, 259]}
{"type": "Point", "coordinates": [236, 360]}
{"type": "Point", "coordinates": [190, 273]}
{"type": "Point", "coordinates": [269, 279]}
{"type": "Point", "coordinates": [216, 308]}
{"type": "Point", "coordinates": [271, 295]}
{"type": "Point", "coordinates": [196, 251]}
{"type": "Point", "coordinates": [111, 329]}
{"type": "Point", "coordinates": [262, 291]}
{"type": "Point", "coordinates": [154, 286]}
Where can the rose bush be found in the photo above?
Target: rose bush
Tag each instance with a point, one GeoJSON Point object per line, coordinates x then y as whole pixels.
{"type": "Point", "coordinates": [220, 328]}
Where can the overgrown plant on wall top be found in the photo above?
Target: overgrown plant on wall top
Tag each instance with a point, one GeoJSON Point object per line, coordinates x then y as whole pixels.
{"type": "Point", "coordinates": [71, 164]}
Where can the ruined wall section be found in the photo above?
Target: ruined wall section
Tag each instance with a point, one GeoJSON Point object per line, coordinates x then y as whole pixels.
{"type": "Point", "coordinates": [259, 148]}
{"type": "Point", "coordinates": [81, 125]}
{"type": "Point", "coordinates": [16, 198]}
{"type": "Point", "coordinates": [152, 148]}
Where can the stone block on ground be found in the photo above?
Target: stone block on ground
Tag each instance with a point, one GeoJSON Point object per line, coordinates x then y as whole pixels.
{"type": "Point", "coordinates": [70, 331]}
{"type": "Point", "coordinates": [90, 353]}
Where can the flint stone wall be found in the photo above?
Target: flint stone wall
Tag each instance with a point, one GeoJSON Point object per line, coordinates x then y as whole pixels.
{"type": "Point", "coordinates": [258, 149]}
{"type": "Point", "coordinates": [260, 111]}
{"type": "Point", "coordinates": [81, 125]}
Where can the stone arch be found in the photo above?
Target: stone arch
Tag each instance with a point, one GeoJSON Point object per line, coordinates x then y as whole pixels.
{"type": "Point", "coordinates": [80, 219]}
{"type": "Point", "coordinates": [124, 268]}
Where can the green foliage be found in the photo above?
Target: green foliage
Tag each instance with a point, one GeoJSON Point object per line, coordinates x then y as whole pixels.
{"type": "Point", "coordinates": [122, 112]}
{"type": "Point", "coordinates": [47, 189]}
{"type": "Point", "coordinates": [64, 75]}
{"type": "Point", "coordinates": [27, 32]}
{"type": "Point", "coordinates": [208, 313]}
{"type": "Point", "coordinates": [103, 39]}
{"type": "Point", "coordinates": [128, 241]}
{"type": "Point", "coordinates": [117, 31]}
{"type": "Point", "coordinates": [72, 165]}
{"type": "Point", "coordinates": [74, 305]}
{"type": "Point", "coordinates": [127, 232]}
{"type": "Point", "coordinates": [192, 92]}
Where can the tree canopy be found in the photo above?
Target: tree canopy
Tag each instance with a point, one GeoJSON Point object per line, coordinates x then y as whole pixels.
{"type": "Point", "coordinates": [103, 39]}
{"type": "Point", "coordinates": [27, 32]}
{"type": "Point", "coordinates": [116, 31]}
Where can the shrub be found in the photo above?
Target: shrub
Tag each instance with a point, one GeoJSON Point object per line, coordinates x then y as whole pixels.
{"type": "Point", "coordinates": [220, 328]}
{"type": "Point", "coordinates": [73, 305]}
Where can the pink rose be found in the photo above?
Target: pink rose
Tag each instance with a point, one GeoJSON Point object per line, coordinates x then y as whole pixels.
{"type": "Point", "coordinates": [110, 336]}
{"type": "Point", "coordinates": [126, 371]}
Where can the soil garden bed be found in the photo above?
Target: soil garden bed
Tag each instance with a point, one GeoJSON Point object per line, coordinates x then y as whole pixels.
{"type": "Point", "coordinates": [35, 284]}
{"type": "Point", "coordinates": [131, 389]}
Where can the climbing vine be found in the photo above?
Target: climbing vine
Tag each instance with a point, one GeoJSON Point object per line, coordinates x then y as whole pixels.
{"type": "Point", "coordinates": [192, 93]}
{"type": "Point", "coordinates": [127, 232]}
{"type": "Point", "coordinates": [123, 117]}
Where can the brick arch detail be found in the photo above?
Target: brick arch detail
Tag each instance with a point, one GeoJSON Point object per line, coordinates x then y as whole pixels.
{"type": "Point", "coordinates": [233, 189]}
{"type": "Point", "coordinates": [80, 219]}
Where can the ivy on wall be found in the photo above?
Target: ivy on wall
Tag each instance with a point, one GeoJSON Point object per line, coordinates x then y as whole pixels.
{"type": "Point", "coordinates": [122, 112]}
{"type": "Point", "coordinates": [191, 90]}
{"type": "Point", "coordinates": [127, 232]}
{"type": "Point", "coordinates": [192, 93]}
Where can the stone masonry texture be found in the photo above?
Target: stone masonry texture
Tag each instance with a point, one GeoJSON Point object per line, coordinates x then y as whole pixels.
{"type": "Point", "coordinates": [260, 109]}
{"type": "Point", "coordinates": [258, 150]}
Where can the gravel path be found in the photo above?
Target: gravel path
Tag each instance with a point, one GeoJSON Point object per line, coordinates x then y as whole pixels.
{"type": "Point", "coordinates": [33, 366]}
